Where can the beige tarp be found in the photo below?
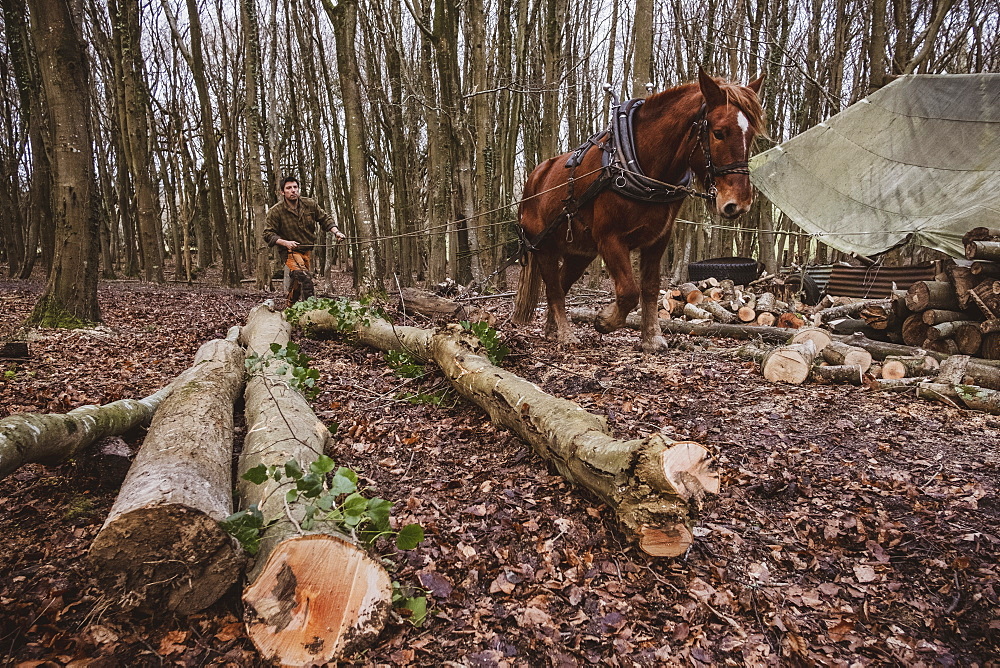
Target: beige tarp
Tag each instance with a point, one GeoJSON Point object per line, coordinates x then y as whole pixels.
{"type": "Point", "coordinates": [920, 156]}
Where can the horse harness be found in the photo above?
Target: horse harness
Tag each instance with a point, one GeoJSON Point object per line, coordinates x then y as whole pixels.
{"type": "Point", "coordinates": [621, 172]}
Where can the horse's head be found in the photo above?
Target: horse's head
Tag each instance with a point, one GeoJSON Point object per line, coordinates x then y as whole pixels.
{"type": "Point", "coordinates": [732, 118]}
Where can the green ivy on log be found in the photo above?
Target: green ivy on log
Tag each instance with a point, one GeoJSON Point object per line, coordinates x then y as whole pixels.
{"type": "Point", "coordinates": [295, 368]}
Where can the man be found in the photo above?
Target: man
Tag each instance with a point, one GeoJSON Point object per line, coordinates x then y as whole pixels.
{"type": "Point", "coordinates": [291, 225]}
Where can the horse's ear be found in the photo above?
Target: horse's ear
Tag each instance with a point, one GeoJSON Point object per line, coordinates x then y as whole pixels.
{"type": "Point", "coordinates": [713, 94]}
{"type": "Point", "coordinates": [756, 84]}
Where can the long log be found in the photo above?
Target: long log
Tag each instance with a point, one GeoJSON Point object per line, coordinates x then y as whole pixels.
{"type": "Point", "coordinates": [982, 250]}
{"type": "Point", "coordinates": [732, 331]}
{"type": "Point", "coordinates": [653, 485]}
{"type": "Point", "coordinates": [847, 373]}
{"type": "Point", "coordinates": [161, 546]}
{"type": "Point", "coordinates": [55, 437]}
{"type": "Point", "coordinates": [851, 310]}
{"type": "Point", "coordinates": [312, 596]}
{"type": "Point", "coordinates": [923, 295]}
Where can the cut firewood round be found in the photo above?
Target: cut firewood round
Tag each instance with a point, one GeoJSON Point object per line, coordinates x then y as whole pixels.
{"type": "Point", "coordinates": [317, 597]}
{"type": "Point", "coordinates": [789, 321]}
{"type": "Point", "coordinates": [789, 364]}
{"type": "Point", "coordinates": [909, 366]}
{"type": "Point", "coordinates": [765, 319]}
{"type": "Point", "coordinates": [841, 354]}
{"type": "Point", "coordinates": [820, 337]}
{"type": "Point", "coordinates": [847, 373]}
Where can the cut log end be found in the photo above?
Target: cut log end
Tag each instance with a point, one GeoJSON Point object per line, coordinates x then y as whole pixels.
{"type": "Point", "coordinates": [185, 554]}
{"type": "Point", "coordinates": [665, 542]}
{"type": "Point", "coordinates": [317, 598]}
{"type": "Point", "coordinates": [689, 468]}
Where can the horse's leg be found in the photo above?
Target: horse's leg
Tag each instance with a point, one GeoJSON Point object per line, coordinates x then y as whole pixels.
{"type": "Point", "coordinates": [619, 264]}
{"type": "Point", "coordinates": [649, 272]}
{"type": "Point", "coordinates": [557, 327]}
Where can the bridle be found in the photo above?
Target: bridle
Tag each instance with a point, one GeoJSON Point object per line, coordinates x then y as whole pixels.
{"type": "Point", "coordinates": [711, 171]}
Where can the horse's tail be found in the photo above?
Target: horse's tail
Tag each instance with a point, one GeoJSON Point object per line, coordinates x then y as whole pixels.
{"type": "Point", "coordinates": [528, 289]}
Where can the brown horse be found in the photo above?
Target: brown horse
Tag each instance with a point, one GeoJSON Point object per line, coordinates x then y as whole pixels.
{"type": "Point", "coordinates": [706, 128]}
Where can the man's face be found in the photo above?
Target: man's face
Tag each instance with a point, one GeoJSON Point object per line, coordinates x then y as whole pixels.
{"type": "Point", "coordinates": [291, 191]}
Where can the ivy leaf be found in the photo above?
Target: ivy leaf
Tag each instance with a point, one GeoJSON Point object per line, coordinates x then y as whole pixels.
{"type": "Point", "coordinates": [275, 347]}
{"type": "Point", "coordinates": [322, 465]}
{"type": "Point", "coordinates": [378, 512]}
{"type": "Point", "coordinates": [310, 485]}
{"type": "Point", "coordinates": [355, 505]}
{"type": "Point", "coordinates": [293, 470]}
{"type": "Point", "coordinates": [410, 536]}
{"type": "Point", "coordinates": [417, 605]}
{"type": "Point", "coordinates": [256, 475]}
{"type": "Point", "coordinates": [342, 484]}
{"type": "Point", "coordinates": [292, 495]}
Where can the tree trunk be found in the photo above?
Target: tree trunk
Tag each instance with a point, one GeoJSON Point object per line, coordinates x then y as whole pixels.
{"type": "Point", "coordinates": [70, 296]}
{"type": "Point", "coordinates": [255, 136]}
{"type": "Point", "coordinates": [653, 484]}
{"type": "Point", "coordinates": [367, 263]}
{"type": "Point", "coordinates": [52, 438]}
{"type": "Point", "coordinates": [161, 547]}
{"type": "Point", "coordinates": [311, 597]}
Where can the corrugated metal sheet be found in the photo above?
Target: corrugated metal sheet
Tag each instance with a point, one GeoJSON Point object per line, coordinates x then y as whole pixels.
{"type": "Point", "coordinates": [875, 282]}
{"type": "Point", "coordinates": [821, 274]}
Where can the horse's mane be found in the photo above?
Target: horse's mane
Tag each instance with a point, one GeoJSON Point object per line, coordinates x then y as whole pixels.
{"type": "Point", "coordinates": [741, 96]}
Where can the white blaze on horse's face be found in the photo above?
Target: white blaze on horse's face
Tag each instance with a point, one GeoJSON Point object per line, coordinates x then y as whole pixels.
{"type": "Point", "coordinates": [744, 124]}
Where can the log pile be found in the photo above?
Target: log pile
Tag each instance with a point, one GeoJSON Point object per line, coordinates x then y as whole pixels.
{"type": "Point", "coordinates": [712, 300]}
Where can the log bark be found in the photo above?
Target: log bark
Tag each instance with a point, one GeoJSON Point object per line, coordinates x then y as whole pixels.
{"type": "Point", "coordinates": [923, 295]}
{"type": "Point", "coordinates": [847, 373]}
{"type": "Point", "coordinates": [840, 354]}
{"type": "Point", "coordinates": [986, 296]}
{"type": "Point", "coordinates": [990, 348]}
{"type": "Point", "coordinates": [653, 485]}
{"type": "Point", "coordinates": [952, 371]}
{"type": "Point", "coordinates": [964, 281]}
{"type": "Point", "coordinates": [944, 346]}
{"type": "Point", "coordinates": [789, 364]}
{"type": "Point", "coordinates": [55, 437]}
{"type": "Point", "coordinates": [161, 547]}
{"type": "Point", "coordinates": [936, 316]}
{"type": "Point", "coordinates": [947, 330]}
{"type": "Point", "coordinates": [696, 312]}
{"type": "Point", "coordinates": [766, 302]}
{"type": "Point", "coordinates": [881, 316]}
{"type": "Point", "coordinates": [313, 596]}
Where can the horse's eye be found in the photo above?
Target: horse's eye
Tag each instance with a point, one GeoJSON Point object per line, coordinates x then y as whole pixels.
{"type": "Point", "coordinates": [719, 134]}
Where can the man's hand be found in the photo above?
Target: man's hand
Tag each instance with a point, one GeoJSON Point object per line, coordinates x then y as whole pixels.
{"type": "Point", "coordinates": [338, 234]}
{"type": "Point", "coordinates": [290, 245]}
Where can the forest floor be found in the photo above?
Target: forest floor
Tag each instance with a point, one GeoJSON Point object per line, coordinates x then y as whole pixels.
{"type": "Point", "coordinates": [854, 528]}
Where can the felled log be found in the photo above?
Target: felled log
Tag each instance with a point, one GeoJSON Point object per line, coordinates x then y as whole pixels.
{"type": "Point", "coordinates": [985, 269]}
{"type": "Point", "coordinates": [847, 373]}
{"type": "Point", "coordinates": [696, 312]}
{"type": "Point", "coordinates": [55, 437]}
{"type": "Point", "coordinates": [979, 398]}
{"type": "Point", "coordinates": [311, 596]}
{"type": "Point", "coordinates": [982, 250]}
{"type": "Point", "coordinates": [708, 328]}
{"type": "Point", "coordinates": [850, 310]}
{"type": "Point", "coordinates": [718, 311]}
{"type": "Point", "coordinates": [881, 315]}
{"type": "Point", "coordinates": [909, 366]}
{"type": "Point", "coordinates": [947, 330]}
{"type": "Point", "coordinates": [766, 302]}
{"type": "Point", "coordinates": [789, 364]}
{"type": "Point", "coordinates": [161, 546]}
{"type": "Point", "coordinates": [944, 346]}
{"type": "Point", "coordinates": [952, 371]}
{"type": "Point", "coordinates": [820, 337]}
{"type": "Point", "coordinates": [841, 354]}
{"type": "Point", "coordinates": [923, 295]}
{"type": "Point", "coordinates": [433, 306]}
{"type": "Point", "coordinates": [653, 485]}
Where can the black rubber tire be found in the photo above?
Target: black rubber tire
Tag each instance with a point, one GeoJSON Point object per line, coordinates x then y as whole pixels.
{"type": "Point", "coordinates": [740, 270]}
{"type": "Point", "coordinates": [804, 284]}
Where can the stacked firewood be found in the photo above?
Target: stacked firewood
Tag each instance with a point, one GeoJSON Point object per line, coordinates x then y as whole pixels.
{"type": "Point", "coordinates": [727, 303]}
{"type": "Point", "coordinates": [958, 313]}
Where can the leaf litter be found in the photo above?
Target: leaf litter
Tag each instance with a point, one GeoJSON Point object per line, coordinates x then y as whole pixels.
{"type": "Point", "coordinates": [853, 528]}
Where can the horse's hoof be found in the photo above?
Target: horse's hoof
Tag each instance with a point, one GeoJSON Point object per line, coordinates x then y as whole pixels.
{"type": "Point", "coordinates": [605, 326]}
{"type": "Point", "coordinates": [657, 344]}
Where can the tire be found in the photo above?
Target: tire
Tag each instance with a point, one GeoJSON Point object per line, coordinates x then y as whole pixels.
{"type": "Point", "coordinates": [740, 270]}
{"type": "Point", "coordinates": [805, 286]}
